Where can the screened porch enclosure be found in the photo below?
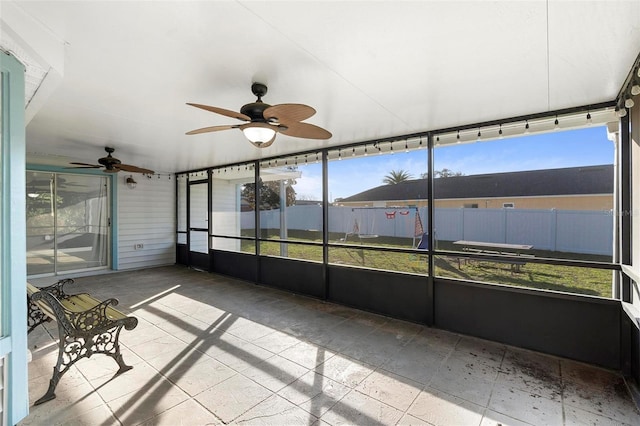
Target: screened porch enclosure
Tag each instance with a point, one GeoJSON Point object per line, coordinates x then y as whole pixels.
{"type": "Point", "coordinates": [409, 249]}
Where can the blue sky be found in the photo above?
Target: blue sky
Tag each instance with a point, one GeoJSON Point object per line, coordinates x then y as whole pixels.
{"type": "Point", "coordinates": [581, 147]}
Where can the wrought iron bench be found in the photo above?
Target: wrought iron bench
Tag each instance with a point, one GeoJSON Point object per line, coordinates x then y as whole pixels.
{"type": "Point", "coordinates": [86, 326]}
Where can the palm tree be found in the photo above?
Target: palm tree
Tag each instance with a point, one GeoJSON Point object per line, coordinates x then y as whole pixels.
{"type": "Point", "coordinates": [442, 173]}
{"type": "Point", "coordinates": [396, 176]}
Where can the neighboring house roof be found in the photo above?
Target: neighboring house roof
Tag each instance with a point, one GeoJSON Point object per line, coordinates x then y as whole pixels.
{"type": "Point", "coordinates": [565, 181]}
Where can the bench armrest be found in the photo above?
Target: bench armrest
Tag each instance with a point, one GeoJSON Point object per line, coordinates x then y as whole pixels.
{"type": "Point", "coordinates": [96, 319]}
{"type": "Point", "coordinates": [102, 317]}
{"type": "Point", "coordinates": [57, 289]}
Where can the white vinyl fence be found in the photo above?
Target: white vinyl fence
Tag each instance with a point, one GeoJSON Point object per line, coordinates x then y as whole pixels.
{"type": "Point", "coordinates": [574, 231]}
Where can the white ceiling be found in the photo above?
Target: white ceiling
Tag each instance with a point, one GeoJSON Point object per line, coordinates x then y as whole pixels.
{"type": "Point", "coordinates": [121, 72]}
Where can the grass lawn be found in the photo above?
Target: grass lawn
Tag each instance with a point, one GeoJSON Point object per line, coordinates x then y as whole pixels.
{"type": "Point", "coordinates": [589, 281]}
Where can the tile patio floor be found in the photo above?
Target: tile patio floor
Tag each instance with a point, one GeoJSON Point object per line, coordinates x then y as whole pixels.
{"type": "Point", "coordinates": [213, 350]}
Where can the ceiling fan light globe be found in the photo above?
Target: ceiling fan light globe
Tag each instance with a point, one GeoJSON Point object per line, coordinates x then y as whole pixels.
{"type": "Point", "coordinates": [258, 135]}
{"type": "Point", "coordinates": [264, 144]}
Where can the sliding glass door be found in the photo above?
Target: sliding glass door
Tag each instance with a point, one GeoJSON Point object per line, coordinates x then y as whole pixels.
{"type": "Point", "coordinates": [67, 222]}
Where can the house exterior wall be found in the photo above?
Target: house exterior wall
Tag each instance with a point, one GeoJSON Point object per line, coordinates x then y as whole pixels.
{"type": "Point", "coordinates": [146, 215]}
{"type": "Point", "coordinates": [572, 202]}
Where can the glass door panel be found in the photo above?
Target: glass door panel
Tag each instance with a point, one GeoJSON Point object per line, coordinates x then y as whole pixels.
{"type": "Point", "coordinates": [199, 225]}
{"type": "Point", "coordinates": [182, 209]}
{"type": "Point", "coordinates": [198, 215]}
{"type": "Point", "coordinates": [198, 242]}
{"type": "Point", "coordinates": [81, 222]}
{"type": "Point", "coordinates": [40, 223]}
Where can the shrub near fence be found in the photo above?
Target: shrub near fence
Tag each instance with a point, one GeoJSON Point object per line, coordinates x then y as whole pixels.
{"type": "Point", "coordinates": [573, 231]}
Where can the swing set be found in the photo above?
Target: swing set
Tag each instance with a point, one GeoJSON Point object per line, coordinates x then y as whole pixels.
{"type": "Point", "coordinates": [363, 224]}
{"type": "Point", "coordinates": [364, 221]}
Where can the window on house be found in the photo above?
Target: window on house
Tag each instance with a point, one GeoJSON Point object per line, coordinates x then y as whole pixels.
{"type": "Point", "coordinates": [470, 205]}
{"type": "Point", "coordinates": [507, 205]}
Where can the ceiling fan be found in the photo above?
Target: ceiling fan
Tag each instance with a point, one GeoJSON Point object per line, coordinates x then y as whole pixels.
{"type": "Point", "coordinates": [112, 165]}
{"type": "Point", "coordinates": [264, 121]}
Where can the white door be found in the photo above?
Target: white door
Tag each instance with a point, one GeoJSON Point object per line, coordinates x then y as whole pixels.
{"type": "Point", "coordinates": [198, 240]}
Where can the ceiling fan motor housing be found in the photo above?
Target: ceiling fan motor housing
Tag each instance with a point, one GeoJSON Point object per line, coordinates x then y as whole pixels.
{"type": "Point", "coordinates": [109, 161]}
{"type": "Point", "coordinates": [255, 111]}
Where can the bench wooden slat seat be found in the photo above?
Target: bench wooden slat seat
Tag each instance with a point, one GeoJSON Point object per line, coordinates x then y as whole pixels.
{"type": "Point", "coordinates": [86, 326]}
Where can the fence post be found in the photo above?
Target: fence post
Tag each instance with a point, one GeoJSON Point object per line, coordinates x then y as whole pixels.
{"type": "Point", "coordinates": [554, 229]}
{"type": "Point", "coordinates": [504, 225]}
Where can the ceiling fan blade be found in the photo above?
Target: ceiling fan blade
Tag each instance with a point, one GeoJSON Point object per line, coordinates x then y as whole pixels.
{"type": "Point", "coordinates": [85, 166]}
{"type": "Point", "coordinates": [212, 129]}
{"type": "Point", "coordinates": [285, 113]}
{"type": "Point", "coordinates": [305, 130]}
{"type": "Point", "coordinates": [222, 111]}
{"type": "Point", "coordinates": [133, 169]}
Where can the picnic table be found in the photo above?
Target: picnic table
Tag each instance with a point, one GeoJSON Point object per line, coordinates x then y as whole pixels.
{"type": "Point", "coordinates": [482, 247]}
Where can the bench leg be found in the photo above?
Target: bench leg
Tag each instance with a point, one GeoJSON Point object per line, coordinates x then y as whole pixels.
{"type": "Point", "coordinates": [123, 367]}
{"type": "Point", "coordinates": [69, 351]}
{"type": "Point", "coordinates": [72, 349]}
{"type": "Point", "coordinates": [50, 392]}
{"type": "Point", "coordinates": [108, 343]}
